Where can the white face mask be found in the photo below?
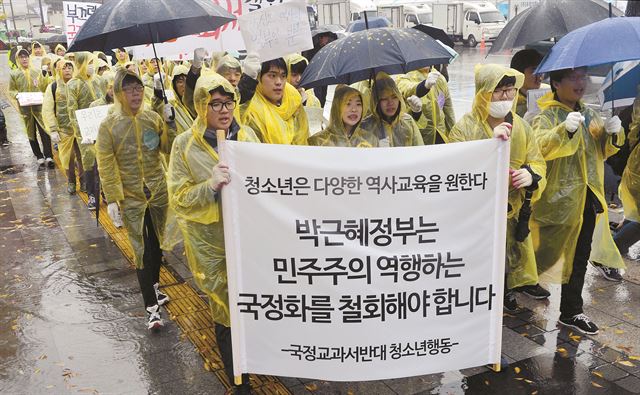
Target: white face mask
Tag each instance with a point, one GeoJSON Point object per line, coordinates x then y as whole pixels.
{"type": "Point", "coordinates": [91, 70]}
{"type": "Point", "coordinates": [499, 109]}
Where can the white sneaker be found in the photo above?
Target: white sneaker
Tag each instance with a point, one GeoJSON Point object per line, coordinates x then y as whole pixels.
{"type": "Point", "coordinates": [160, 296]}
{"type": "Point", "coordinates": [41, 162]}
{"type": "Point", "coordinates": [155, 321]}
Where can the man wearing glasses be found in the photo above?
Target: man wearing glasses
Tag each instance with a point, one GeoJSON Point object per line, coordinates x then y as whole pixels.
{"type": "Point", "coordinates": [493, 115]}
{"type": "Point", "coordinates": [575, 142]}
{"type": "Point", "coordinates": [128, 147]}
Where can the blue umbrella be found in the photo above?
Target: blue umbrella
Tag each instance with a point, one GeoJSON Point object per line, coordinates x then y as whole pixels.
{"type": "Point", "coordinates": [625, 83]}
{"type": "Point", "coordinates": [355, 57]}
{"type": "Point", "coordinates": [608, 41]}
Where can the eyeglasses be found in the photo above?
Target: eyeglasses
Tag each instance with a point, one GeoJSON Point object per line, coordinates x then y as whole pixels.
{"type": "Point", "coordinates": [136, 89]}
{"type": "Point", "coordinates": [509, 92]}
{"type": "Point", "coordinates": [217, 106]}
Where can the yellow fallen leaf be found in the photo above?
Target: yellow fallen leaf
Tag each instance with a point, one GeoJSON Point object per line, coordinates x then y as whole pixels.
{"type": "Point", "coordinates": [517, 370]}
{"type": "Point", "coordinates": [486, 382]}
{"type": "Point", "coordinates": [618, 331]}
{"type": "Point", "coordinates": [528, 381]}
{"type": "Point", "coordinates": [49, 386]}
{"type": "Point", "coordinates": [311, 387]}
{"type": "Point", "coordinates": [534, 393]}
{"type": "Point", "coordinates": [37, 371]}
{"type": "Point", "coordinates": [634, 358]}
{"type": "Point", "coordinates": [596, 384]}
{"type": "Point", "coordinates": [597, 374]}
{"type": "Point", "coordinates": [562, 350]}
{"type": "Point", "coordinates": [207, 367]}
{"type": "Point", "coordinates": [626, 363]}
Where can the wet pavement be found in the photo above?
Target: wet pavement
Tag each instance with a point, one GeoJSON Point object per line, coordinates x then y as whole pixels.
{"type": "Point", "coordinates": [72, 319]}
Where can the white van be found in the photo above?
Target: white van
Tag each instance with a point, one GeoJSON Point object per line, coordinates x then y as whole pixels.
{"type": "Point", "coordinates": [468, 21]}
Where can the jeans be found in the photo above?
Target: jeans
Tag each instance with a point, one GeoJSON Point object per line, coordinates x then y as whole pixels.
{"type": "Point", "coordinates": [627, 236]}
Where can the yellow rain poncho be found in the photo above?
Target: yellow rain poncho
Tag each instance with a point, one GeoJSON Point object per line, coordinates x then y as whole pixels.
{"type": "Point", "coordinates": [128, 153]}
{"type": "Point", "coordinates": [437, 107]}
{"type": "Point", "coordinates": [573, 165]}
{"type": "Point", "coordinates": [365, 89]}
{"type": "Point", "coordinates": [108, 78]}
{"type": "Point", "coordinates": [403, 130]}
{"type": "Point", "coordinates": [121, 63]}
{"type": "Point", "coordinates": [312, 100]}
{"type": "Point", "coordinates": [283, 124]}
{"type": "Point", "coordinates": [27, 80]}
{"type": "Point", "coordinates": [183, 117]}
{"type": "Point", "coordinates": [56, 116]}
{"type": "Point", "coordinates": [630, 184]}
{"type": "Point", "coordinates": [83, 90]}
{"type": "Point", "coordinates": [197, 207]}
{"type": "Point", "coordinates": [335, 135]}
{"type": "Point", "coordinates": [520, 258]}
{"type": "Point", "coordinates": [58, 48]}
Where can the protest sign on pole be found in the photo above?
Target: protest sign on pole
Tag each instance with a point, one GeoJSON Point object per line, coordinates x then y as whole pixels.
{"type": "Point", "coordinates": [75, 15]}
{"type": "Point", "coordinates": [277, 31]}
{"type": "Point", "coordinates": [89, 121]}
{"type": "Point", "coordinates": [532, 99]}
{"type": "Point", "coordinates": [364, 264]}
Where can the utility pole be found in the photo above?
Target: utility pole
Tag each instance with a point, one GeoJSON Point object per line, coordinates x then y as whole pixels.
{"type": "Point", "coordinates": [13, 15]}
{"type": "Point", "coordinates": [6, 24]}
{"type": "Point", "coordinates": [41, 13]}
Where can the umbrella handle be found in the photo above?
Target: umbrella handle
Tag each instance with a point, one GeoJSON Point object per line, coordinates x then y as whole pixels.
{"type": "Point", "coordinates": [155, 54]}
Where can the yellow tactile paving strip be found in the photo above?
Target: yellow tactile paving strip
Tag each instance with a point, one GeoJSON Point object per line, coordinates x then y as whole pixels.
{"type": "Point", "coordinates": [187, 309]}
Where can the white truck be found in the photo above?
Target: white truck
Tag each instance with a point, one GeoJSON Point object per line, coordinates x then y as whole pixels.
{"type": "Point", "coordinates": [403, 13]}
{"type": "Point", "coordinates": [341, 12]}
{"type": "Point", "coordinates": [468, 21]}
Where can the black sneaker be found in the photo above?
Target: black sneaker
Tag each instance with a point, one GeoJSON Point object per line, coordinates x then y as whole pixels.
{"type": "Point", "coordinates": [160, 296]}
{"type": "Point", "coordinates": [155, 321]}
{"type": "Point", "coordinates": [83, 185]}
{"type": "Point", "coordinates": [5, 143]}
{"type": "Point", "coordinates": [510, 303]}
{"type": "Point", "coordinates": [41, 164]}
{"type": "Point", "coordinates": [50, 163]}
{"type": "Point", "coordinates": [581, 323]}
{"type": "Point", "coordinates": [91, 203]}
{"type": "Point", "coordinates": [533, 291]}
{"type": "Point", "coordinates": [71, 188]}
{"type": "Point", "coordinates": [609, 273]}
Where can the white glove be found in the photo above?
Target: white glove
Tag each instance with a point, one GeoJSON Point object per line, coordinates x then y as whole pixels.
{"type": "Point", "coordinates": [198, 57]}
{"type": "Point", "coordinates": [613, 125]}
{"type": "Point", "coordinates": [415, 103]}
{"type": "Point", "coordinates": [431, 80]}
{"type": "Point", "coordinates": [168, 113]}
{"type": "Point", "coordinates": [573, 121]}
{"type": "Point", "coordinates": [55, 137]}
{"type": "Point", "coordinates": [502, 131]}
{"type": "Point", "coordinates": [114, 214]}
{"type": "Point", "coordinates": [86, 141]}
{"type": "Point", "coordinates": [521, 178]}
{"type": "Point", "coordinates": [251, 65]}
{"type": "Point", "coordinates": [219, 177]}
{"type": "Point", "coordinates": [157, 81]}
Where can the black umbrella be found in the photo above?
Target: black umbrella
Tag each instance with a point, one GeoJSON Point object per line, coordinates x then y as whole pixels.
{"type": "Point", "coordinates": [355, 57]}
{"type": "Point", "coordinates": [549, 19]}
{"type": "Point", "coordinates": [125, 23]}
{"type": "Point", "coordinates": [57, 39]}
{"type": "Point", "coordinates": [327, 30]}
{"type": "Point", "coordinates": [436, 34]}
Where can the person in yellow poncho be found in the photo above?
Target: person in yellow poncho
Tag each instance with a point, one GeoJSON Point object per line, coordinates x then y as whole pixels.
{"type": "Point", "coordinates": [344, 123]}
{"type": "Point", "coordinates": [575, 142]}
{"type": "Point", "coordinates": [437, 108]}
{"type": "Point", "coordinates": [107, 99]}
{"type": "Point", "coordinates": [296, 64]}
{"type": "Point", "coordinates": [389, 119]}
{"type": "Point", "coordinates": [493, 113]}
{"type": "Point", "coordinates": [195, 179]}
{"type": "Point", "coordinates": [178, 86]}
{"type": "Point", "coordinates": [58, 124]}
{"type": "Point", "coordinates": [26, 79]}
{"type": "Point", "coordinates": [629, 234]}
{"type": "Point", "coordinates": [275, 112]}
{"type": "Point", "coordinates": [526, 61]}
{"type": "Point", "coordinates": [122, 57]}
{"type": "Point", "coordinates": [84, 89]}
{"type": "Point", "coordinates": [128, 147]}
{"type": "Point", "coordinates": [60, 50]}
{"type": "Point", "coordinates": [37, 49]}
{"type": "Point", "coordinates": [230, 68]}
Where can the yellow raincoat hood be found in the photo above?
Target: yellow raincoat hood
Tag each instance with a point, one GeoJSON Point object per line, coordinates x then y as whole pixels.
{"type": "Point", "coordinates": [383, 86]}
{"type": "Point", "coordinates": [291, 60]}
{"type": "Point", "coordinates": [37, 43]}
{"type": "Point", "coordinates": [341, 97]}
{"type": "Point", "coordinates": [118, 94]}
{"type": "Point", "coordinates": [202, 97]}
{"type": "Point", "coordinates": [82, 60]}
{"type": "Point", "coordinates": [227, 63]}
{"type": "Point", "coordinates": [487, 77]}
{"type": "Point", "coordinates": [58, 47]}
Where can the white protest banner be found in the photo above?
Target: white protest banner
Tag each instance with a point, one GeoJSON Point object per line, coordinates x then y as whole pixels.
{"type": "Point", "coordinates": [532, 99]}
{"type": "Point", "coordinates": [89, 120]}
{"type": "Point", "coordinates": [75, 15]}
{"type": "Point", "coordinates": [26, 99]}
{"type": "Point", "coordinates": [363, 264]}
{"type": "Point", "coordinates": [315, 118]}
{"type": "Point", "coordinates": [225, 38]}
{"type": "Point", "coordinates": [277, 31]}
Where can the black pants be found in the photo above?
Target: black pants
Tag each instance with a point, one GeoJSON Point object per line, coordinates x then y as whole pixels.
{"type": "Point", "coordinates": [74, 160]}
{"type": "Point", "coordinates": [223, 338]}
{"type": "Point", "coordinates": [152, 257]}
{"type": "Point", "coordinates": [571, 299]}
{"type": "Point", "coordinates": [3, 128]}
{"type": "Point", "coordinates": [46, 144]}
{"type": "Point", "coordinates": [91, 178]}
{"type": "Point", "coordinates": [627, 236]}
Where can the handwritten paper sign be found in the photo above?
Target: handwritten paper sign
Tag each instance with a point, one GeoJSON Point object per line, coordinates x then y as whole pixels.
{"type": "Point", "coordinates": [277, 30]}
{"type": "Point", "coordinates": [26, 99]}
{"type": "Point", "coordinates": [532, 99]}
{"type": "Point", "coordinates": [90, 119]}
{"type": "Point", "coordinates": [315, 118]}
{"type": "Point", "coordinates": [75, 15]}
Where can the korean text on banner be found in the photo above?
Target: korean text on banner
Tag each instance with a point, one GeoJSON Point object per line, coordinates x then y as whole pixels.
{"type": "Point", "coordinates": [358, 264]}
{"type": "Point", "coordinates": [277, 30]}
{"type": "Point", "coordinates": [75, 15]}
{"type": "Point", "coordinates": [89, 120]}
